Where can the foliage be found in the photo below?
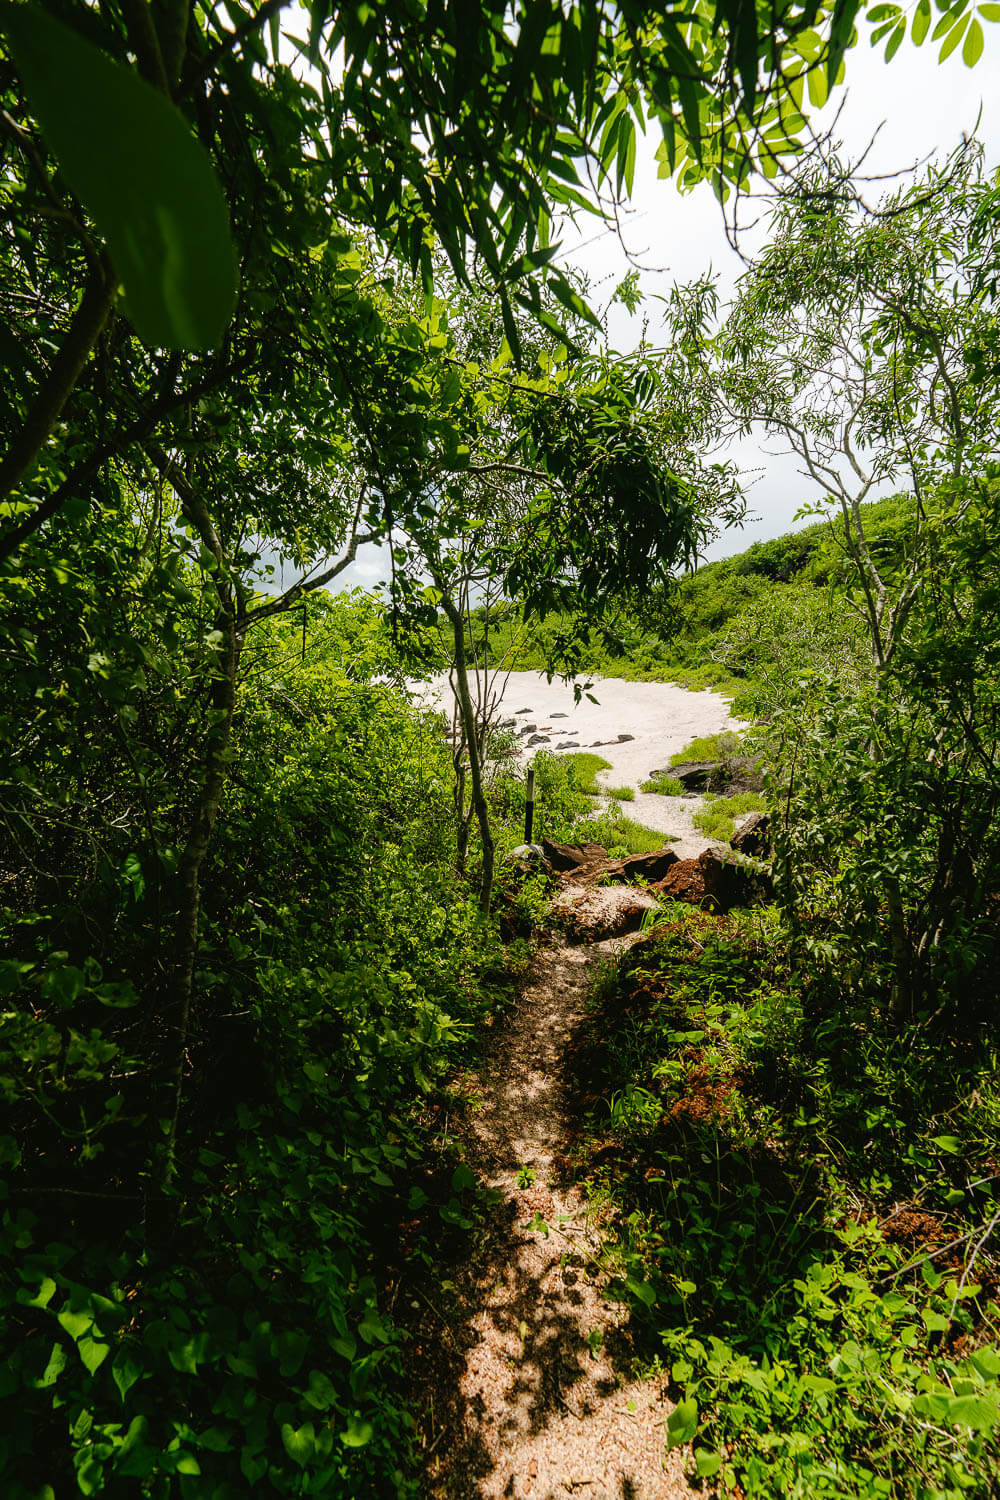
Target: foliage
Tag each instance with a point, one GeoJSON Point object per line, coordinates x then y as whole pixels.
{"type": "Point", "coordinates": [341, 966]}
{"type": "Point", "coordinates": [621, 793]}
{"type": "Point", "coordinates": [717, 817]}
{"type": "Point", "coordinates": [617, 834]}
{"type": "Point", "coordinates": [584, 766]}
{"type": "Point", "coordinates": [771, 1156]}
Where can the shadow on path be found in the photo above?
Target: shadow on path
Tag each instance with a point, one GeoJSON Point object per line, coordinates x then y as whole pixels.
{"type": "Point", "coordinates": [527, 1380]}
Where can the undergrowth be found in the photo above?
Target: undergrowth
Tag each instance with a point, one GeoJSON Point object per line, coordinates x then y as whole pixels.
{"type": "Point", "coordinates": [804, 1200]}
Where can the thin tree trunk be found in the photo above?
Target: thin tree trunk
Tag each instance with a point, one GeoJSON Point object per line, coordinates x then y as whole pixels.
{"type": "Point", "coordinates": [58, 385]}
{"type": "Point", "coordinates": [199, 837]}
{"type": "Point", "coordinates": [457, 621]}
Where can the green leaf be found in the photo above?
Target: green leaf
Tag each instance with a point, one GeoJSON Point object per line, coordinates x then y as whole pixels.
{"type": "Point", "coordinates": [54, 1368]}
{"type": "Point", "coordinates": [895, 41]}
{"type": "Point", "coordinates": [125, 1372]}
{"type": "Point", "coordinates": [921, 21]}
{"type": "Point", "coordinates": [987, 1362]}
{"type": "Point", "coordinates": [372, 1329]}
{"type": "Point", "coordinates": [92, 1352]}
{"type": "Point", "coordinates": [300, 1442]}
{"type": "Point", "coordinates": [90, 1477]}
{"type": "Point", "coordinates": [972, 51]}
{"type": "Point", "coordinates": [184, 1357]}
{"type": "Point", "coordinates": [136, 1432]}
{"type": "Point", "coordinates": [953, 38]}
{"type": "Point", "coordinates": [462, 1178]}
{"type": "Point", "coordinates": [707, 1463]}
{"type": "Point", "coordinates": [950, 1143]}
{"type": "Point", "coordinates": [150, 186]}
{"type": "Point", "coordinates": [44, 1295]}
{"type": "Point", "coordinates": [322, 1392]}
{"type": "Point", "coordinates": [357, 1433]}
{"type": "Point", "coordinates": [76, 1324]}
{"type": "Point", "coordinates": [641, 1290]}
{"type": "Point", "coordinates": [976, 1412]}
{"type": "Point", "coordinates": [682, 1423]}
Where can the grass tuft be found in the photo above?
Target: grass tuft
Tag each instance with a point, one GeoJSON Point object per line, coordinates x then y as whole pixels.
{"type": "Point", "coordinates": [663, 786]}
{"type": "Point", "coordinates": [717, 819]}
{"type": "Point", "coordinates": [709, 747]}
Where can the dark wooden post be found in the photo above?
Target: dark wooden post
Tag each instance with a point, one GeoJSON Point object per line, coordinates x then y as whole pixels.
{"type": "Point", "coordinates": [529, 806]}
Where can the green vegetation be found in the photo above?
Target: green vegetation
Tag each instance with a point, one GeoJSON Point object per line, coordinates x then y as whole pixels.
{"type": "Point", "coordinates": [621, 793]}
{"type": "Point", "coordinates": [717, 818]}
{"type": "Point", "coordinates": [259, 314]}
{"type": "Point", "coordinates": [665, 786]}
{"type": "Point", "coordinates": [793, 1184]}
{"type": "Point", "coordinates": [709, 747]}
{"type": "Point", "coordinates": [618, 834]}
{"type": "Point", "coordinates": [583, 766]}
{"type": "Point", "coordinates": [342, 967]}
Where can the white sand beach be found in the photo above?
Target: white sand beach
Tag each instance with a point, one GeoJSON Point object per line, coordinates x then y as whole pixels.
{"type": "Point", "coordinates": [660, 717]}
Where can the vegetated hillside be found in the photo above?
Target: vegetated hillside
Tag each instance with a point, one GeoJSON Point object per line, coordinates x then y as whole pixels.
{"type": "Point", "coordinates": [209, 1308]}
{"type": "Point", "coordinates": [746, 619]}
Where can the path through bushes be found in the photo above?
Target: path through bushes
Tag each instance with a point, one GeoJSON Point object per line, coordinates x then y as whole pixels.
{"type": "Point", "coordinates": [528, 1385]}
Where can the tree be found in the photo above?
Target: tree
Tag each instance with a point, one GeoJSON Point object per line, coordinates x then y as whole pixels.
{"type": "Point", "coordinates": [867, 341]}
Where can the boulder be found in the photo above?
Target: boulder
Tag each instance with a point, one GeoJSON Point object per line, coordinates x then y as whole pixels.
{"type": "Point", "coordinates": [568, 745]}
{"type": "Point", "coordinates": [558, 716]}
{"type": "Point", "coordinates": [527, 729]}
{"type": "Point", "coordinates": [716, 881]}
{"type": "Point", "coordinates": [537, 739]}
{"type": "Point", "coordinates": [696, 775]}
{"type": "Point", "coordinates": [530, 855]}
{"type": "Point", "coordinates": [648, 867]}
{"type": "Point", "coordinates": [736, 774]}
{"type": "Point", "coordinates": [754, 835]}
{"type": "Point", "coordinates": [590, 914]}
{"type": "Point", "coordinates": [623, 739]}
{"type": "Point", "coordinates": [564, 857]}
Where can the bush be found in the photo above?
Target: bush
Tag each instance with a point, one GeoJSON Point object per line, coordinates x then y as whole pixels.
{"type": "Point", "coordinates": [721, 746]}
{"type": "Point", "coordinates": [755, 1146]}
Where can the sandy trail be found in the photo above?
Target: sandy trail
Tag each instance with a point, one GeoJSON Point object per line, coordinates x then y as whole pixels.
{"type": "Point", "coordinates": [536, 1398]}
{"type": "Point", "coordinates": [659, 718]}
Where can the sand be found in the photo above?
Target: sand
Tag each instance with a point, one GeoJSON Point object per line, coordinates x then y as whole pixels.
{"type": "Point", "coordinates": [660, 716]}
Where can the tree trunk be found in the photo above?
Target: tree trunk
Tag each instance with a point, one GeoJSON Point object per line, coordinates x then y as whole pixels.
{"type": "Point", "coordinates": [457, 621]}
{"type": "Point", "coordinates": [200, 830]}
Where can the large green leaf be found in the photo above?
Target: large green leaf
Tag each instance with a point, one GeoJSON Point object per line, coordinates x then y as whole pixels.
{"type": "Point", "coordinates": [130, 156]}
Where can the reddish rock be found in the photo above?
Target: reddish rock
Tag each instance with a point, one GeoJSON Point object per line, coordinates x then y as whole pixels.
{"type": "Point", "coordinates": [715, 882]}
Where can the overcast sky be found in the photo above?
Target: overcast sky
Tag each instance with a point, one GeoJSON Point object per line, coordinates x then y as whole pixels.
{"type": "Point", "coordinates": [920, 109]}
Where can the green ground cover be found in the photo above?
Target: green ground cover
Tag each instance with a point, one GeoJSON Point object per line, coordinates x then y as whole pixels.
{"type": "Point", "coordinates": [796, 1191]}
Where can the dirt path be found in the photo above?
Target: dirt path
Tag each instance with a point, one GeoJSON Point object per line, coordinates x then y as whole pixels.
{"type": "Point", "coordinates": [533, 1394]}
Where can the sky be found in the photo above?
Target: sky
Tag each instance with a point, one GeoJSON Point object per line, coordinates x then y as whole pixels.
{"type": "Point", "coordinates": [919, 108]}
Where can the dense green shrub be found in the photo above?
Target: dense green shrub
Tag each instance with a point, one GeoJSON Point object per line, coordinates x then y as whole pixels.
{"type": "Point", "coordinates": [228, 1329]}
{"type": "Point", "coordinates": [766, 1150]}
